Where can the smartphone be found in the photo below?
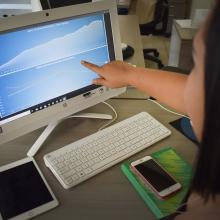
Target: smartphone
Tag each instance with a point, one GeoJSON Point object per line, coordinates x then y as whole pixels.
{"type": "Point", "coordinates": [153, 175]}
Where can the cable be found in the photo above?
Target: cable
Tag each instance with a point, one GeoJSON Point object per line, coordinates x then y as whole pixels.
{"type": "Point", "coordinates": [166, 109]}
{"type": "Point", "coordinates": [110, 122]}
{"type": "Point", "coordinates": [49, 5]}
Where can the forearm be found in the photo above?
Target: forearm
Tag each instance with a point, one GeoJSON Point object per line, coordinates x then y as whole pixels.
{"type": "Point", "coordinates": [166, 87]}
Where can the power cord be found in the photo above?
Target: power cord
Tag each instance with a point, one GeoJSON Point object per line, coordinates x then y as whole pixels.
{"type": "Point", "coordinates": [106, 124]}
{"type": "Point", "coordinates": [166, 109]}
{"type": "Point", "coordinates": [110, 122]}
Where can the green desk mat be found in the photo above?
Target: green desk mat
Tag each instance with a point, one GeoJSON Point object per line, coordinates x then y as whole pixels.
{"type": "Point", "coordinates": [178, 168]}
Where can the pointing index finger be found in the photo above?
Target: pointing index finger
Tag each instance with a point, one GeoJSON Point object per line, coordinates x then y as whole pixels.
{"type": "Point", "coordinates": [91, 66]}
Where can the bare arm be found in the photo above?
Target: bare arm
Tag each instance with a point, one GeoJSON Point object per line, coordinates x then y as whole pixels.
{"type": "Point", "coordinates": [167, 87]}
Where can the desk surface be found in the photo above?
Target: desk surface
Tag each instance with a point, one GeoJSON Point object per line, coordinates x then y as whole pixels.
{"type": "Point", "coordinates": [108, 195]}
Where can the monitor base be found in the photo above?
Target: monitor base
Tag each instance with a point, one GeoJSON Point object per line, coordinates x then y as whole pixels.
{"type": "Point", "coordinates": [49, 129]}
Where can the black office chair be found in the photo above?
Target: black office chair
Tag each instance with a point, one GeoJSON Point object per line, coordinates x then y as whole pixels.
{"type": "Point", "coordinates": [156, 27]}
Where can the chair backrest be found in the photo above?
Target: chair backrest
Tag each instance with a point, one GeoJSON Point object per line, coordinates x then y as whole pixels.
{"type": "Point", "coordinates": [161, 8]}
{"type": "Point", "coordinates": [159, 23]}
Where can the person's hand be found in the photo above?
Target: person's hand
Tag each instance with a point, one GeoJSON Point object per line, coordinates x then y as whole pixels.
{"type": "Point", "coordinates": [114, 74]}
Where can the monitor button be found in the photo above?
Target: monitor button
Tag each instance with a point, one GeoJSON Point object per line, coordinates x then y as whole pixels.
{"type": "Point", "coordinates": [31, 214]}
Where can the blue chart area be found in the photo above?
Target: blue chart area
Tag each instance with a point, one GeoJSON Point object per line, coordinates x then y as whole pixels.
{"type": "Point", "coordinates": [48, 65]}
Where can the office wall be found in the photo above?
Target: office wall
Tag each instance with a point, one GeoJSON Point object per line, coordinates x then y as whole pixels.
{"type": "Point", "coordinates": [200, 4]}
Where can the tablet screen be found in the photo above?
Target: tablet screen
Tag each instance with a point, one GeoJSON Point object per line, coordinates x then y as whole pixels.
{"type": "Point", "coordinates": [22, 189]}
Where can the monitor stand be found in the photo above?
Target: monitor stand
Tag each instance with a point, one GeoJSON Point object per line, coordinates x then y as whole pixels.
{"type": "Point", "coordinates": [48, 130]}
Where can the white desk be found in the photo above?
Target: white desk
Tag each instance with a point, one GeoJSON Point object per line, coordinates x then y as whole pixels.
{"type": "Point", "coordinates": [14, 7]}
{"type": "Point", "coordinates": [180, 54]}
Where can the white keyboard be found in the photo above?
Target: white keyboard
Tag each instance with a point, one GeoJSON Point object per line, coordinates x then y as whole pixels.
{"type": "Point", "coordinates": [78, 161]}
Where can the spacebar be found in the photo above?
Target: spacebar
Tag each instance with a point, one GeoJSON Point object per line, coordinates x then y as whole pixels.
{"type": "Point", "coordinates": [110, 161]}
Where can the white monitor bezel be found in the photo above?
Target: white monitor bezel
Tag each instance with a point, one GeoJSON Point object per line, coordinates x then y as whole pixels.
{"type": "Point", "coordinates": [20, 126]}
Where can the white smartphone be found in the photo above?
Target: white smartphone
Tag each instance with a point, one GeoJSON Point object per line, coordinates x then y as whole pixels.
{"type": "Point", "coordinates": [152, 174]}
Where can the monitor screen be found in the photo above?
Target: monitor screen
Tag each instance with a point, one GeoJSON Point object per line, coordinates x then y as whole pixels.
{"type": "Point", "coordinates": [41, 65]}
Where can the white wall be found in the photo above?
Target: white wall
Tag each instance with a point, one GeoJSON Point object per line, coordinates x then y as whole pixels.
{"type": "Point", "coordinates": [200, 4]}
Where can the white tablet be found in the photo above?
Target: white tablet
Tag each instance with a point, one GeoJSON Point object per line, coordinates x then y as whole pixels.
{"type": "Point", "coordinates": [24, 193]}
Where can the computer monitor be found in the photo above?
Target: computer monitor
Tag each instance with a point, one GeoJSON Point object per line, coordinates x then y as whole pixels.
{"type": "Point", "coordinates": [48, 4]}
{"type": "Point", "coordinates": [41, 78]}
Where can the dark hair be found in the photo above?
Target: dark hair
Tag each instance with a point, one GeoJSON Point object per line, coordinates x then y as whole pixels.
{"type": "Point", "coordinates": [206, 180]}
